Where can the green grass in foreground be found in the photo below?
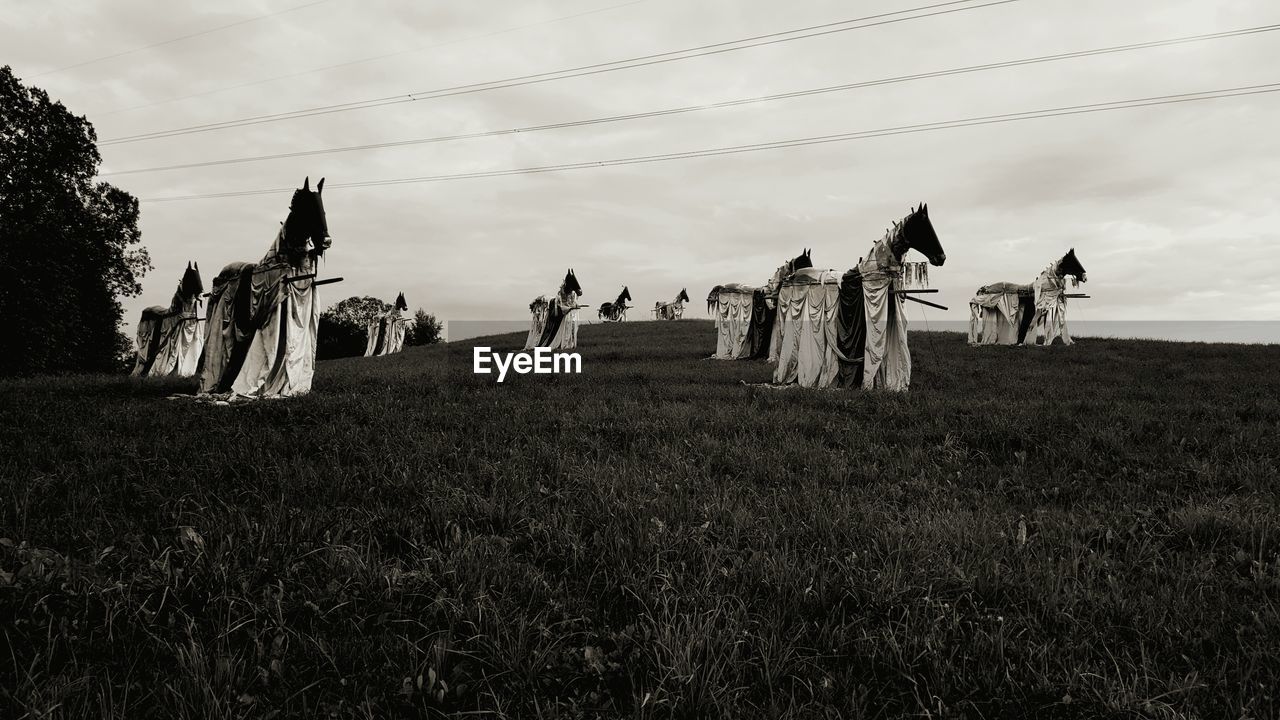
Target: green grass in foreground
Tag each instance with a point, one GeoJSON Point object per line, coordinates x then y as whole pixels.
{"type": "Point", "coordinates": [653, 539]}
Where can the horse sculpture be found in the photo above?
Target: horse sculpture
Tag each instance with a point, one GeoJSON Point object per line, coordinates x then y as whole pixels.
{"type": "Point", "coordinates": [744, 315]}
{"type": "Point", "coordinates": [555, 322]}
{"type": "Point", "coordinates": [1003, 313]}
{"type": "Point", "coordinates": [673, 310]}
{"type": "Point", "coordinates": [851, 331]}
{"type": "Point", "coordinates": [615, 311]}
{"type": "Point", "coordinates": [170, 339]}
{"type": "Point", "coordinates": [386, 332]}
{"type": "Point", "coordinates": [264, 316]}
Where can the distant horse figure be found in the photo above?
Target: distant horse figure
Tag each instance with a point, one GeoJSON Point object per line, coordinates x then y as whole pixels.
{"type": "Point", "coordinates": [264, 316]}
{"type": "Point", "coordinates": [555, 321]}
{"type": "Point", "coordinates": [744, 316]}
{"type": "Point", "coordinates": [673, 310]}
{"type": "Point", "coordinates": [170, 339]}
{"type": "Point", "coordinates": [386, 331]}
{"type": "Point", "coordinates": [1003, 313]}
{"type": "Point", "coordinates": [615, 311]}
{"type": "Point", "coordinates": [850, 330]}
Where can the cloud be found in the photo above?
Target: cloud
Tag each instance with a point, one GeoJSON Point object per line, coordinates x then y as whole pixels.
{"type": "Point", "coordinates": [1172, 209]}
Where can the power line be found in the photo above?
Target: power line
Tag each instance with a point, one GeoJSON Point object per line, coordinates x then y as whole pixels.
{"type": "Point", "coordinates": [719, 105]}
{"type": "Point", "coordinates": [611, 66]}
{"type": "Point", "coordinates": [781, 144]}
{"type": "Point", "coordinates": [180, 39]}
{"type": "Point", "coordinates": [372, 58]}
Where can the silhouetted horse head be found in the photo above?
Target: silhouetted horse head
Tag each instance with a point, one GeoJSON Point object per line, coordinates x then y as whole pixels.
{"type": "Point", "coordinates": [570, 284]}
{"type": "Point", "coordinates": [306, 231]}
{"type": "Point", "coordinates": [918, 234]}
{"type": "Point", "coordinates": [784, 271]}
{"type": "Point", "coordinates": [624, 296]}
{"type": "Point", "coordinates": [1069, 265]}
{"type": "Point", "coordinates": [401, 305]}
{"type": "Point", "coordinates": [683, 296]}
{"type": "Point", "coordinates": [191, 285]}
{"type": "Point", "coordinates": [802, 260]}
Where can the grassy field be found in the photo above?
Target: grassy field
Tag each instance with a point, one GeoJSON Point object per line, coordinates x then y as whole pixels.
{"type": "Point", "coordinates": [1079, 532]}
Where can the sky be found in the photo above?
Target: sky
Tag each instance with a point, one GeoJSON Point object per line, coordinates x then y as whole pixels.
{"type": "Point", "coordinates": [1172, 209]}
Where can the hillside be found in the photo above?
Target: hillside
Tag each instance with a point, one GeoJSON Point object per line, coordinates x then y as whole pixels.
{"type": "Point", "coordinates": [653, 538]}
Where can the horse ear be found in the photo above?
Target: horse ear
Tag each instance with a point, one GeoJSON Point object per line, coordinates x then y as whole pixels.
{"type": "Point", "coordinates": [306, 183]}
{"type": "Point", "coordinates": [320, 185]}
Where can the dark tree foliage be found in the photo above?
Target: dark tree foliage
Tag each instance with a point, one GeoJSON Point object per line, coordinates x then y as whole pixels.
{"type": "Point", "coordinates": [68, 245]}
{"type": "Point", "coordinates": [425, 330]}
{"type": "Point", "coordinates": [344, 327]}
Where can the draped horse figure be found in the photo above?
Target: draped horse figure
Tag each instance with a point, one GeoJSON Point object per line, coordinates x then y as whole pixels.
{"type": "Point", "coordinates": [673, 310]}
{"type": "Point", "coordinates": [170, 339]}
{"type": "Point", "coordinates": [264, 316]}
{"type": "Point", "coordinates": [851, 331]}
{"type": "Point", "coordinates": [744, 315]}
{"type": "Point", "coordinates": [615, 311]}
{"type": "Point", "coordinates": [555, 321]}
{"type": "Point", "coordinates": [1003, 313]}
{"type": "Point", "coordinates": [386, 332]}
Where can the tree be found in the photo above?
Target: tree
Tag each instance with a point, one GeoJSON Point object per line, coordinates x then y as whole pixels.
{"type": "Point", "coordinates": [69, 246]}
{"type": "Point", "coordinates": [425, 329]}
{"type": "Point", "coordinates": [344, 327]}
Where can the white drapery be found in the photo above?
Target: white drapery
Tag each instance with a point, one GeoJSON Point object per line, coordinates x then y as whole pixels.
{"type": "Point", "coordinates": [886, 358]}
{"type": "Point", "coordinates": [282, 354]}
{"type": "Point", "coordinates": [995, 314]}
{"type": "Point", "coordinates": [1051, 307]}
{"type": "Point", "coordinates": [808, 354]}
{"type": "Point", "coordinates": [385, 334]}
{"type": "Point", "coordinates": [732, 315]}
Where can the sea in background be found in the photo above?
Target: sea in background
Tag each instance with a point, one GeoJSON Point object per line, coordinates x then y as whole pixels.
{"type": "Point", "coordinates": [1252, 332]}
{"type": "Point", "coordinates": [1209, 331]}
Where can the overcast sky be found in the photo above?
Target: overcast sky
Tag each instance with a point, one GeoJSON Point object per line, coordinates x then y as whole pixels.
{"type": "Point", "coordinates": [1174, 210]}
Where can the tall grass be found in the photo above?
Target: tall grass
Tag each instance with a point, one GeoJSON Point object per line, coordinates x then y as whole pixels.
{"type": "Point", "coordinates": [1069, 532]}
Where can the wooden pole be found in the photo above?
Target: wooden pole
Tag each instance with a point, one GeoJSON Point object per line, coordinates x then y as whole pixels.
{"type": "Point", "coordinates": [925, 302]}
{"type": "Point", "coordinates": [1075, 295]}
{"type": "Point", "coordinates": [329, 281]}
{"type": "Point", "coordinates": [904, 292]}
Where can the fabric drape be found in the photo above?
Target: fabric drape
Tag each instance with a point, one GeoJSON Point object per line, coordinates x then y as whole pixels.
{"type": "Point", "coordinates": [1051, 307]}
{"type": "Point", "coordinates": [560, 326]}
{"type": "Point", "coordinates": [733, 309]}
{"type": "Point", "coordinates": [851, 330]}
{"type": "Point", "coordinates": [808, 302]}
{"type": "Point", "coordinates": [996, 314]}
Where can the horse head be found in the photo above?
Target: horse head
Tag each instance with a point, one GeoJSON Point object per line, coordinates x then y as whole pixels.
{"type": "Point", "coordinates": [1069, 265]}
{"type": "Point", "coordinates": [803, 260]}
{"type": "Point", "coordinates": [683, 296]}
{"type": "Point", "coordinates": [401, 304]}
{"type": "Point", "coordinates": [625, 297]}
{"type": "Point", "coordinates": [191, 285]}
{"type": "Point", "coordinates": [918, 233]}
{"type": "Point", "coordinates": [306, 231]}
{"type": "Point", "coordinates": [785, 270]}
{"type": "Point", "coordinates": [570, 284]}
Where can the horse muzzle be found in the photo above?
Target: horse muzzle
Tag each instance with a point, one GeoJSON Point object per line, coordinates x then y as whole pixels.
{"type": "Point", "coordinates": [938, 260]}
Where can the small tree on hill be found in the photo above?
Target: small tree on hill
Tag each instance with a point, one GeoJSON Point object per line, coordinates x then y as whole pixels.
{"type": "Point", "coordinates": [68, 245]}
{"type": "Point", "coordinates": [425, 330]}
{"type": "Point", "coordinates": [344, 327]}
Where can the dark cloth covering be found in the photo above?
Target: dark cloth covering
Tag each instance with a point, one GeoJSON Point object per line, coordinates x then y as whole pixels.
{"type": "Point", "coordinates": [555, 316]}
{"type": "Point", "coordinates": [1027, 302]}
{"type": "Point", "coordinates": [762, 319]}
{"type": "Point", "coordinates": [851, 330]}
